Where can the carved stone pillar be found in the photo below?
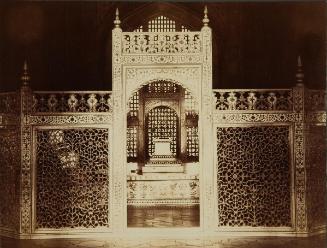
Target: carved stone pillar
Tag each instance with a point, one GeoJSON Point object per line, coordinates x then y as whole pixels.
{"type": "Point", "coordinates": [26, 185]}
{"type": "Point", "coordinates": [206, 134]}
{"type": "Point", "coordinates": [299, 160]}
{"type": "Point", "coordinates": [118, 206]}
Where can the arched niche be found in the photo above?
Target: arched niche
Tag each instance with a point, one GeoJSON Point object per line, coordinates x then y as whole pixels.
{"type": "Point", "coordinates": [162, 94]}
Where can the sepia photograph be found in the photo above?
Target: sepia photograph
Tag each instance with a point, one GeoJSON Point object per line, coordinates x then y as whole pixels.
{"type": "Point", "coordinates": [178, 124]}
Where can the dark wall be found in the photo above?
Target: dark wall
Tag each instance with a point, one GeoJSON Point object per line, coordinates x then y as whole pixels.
{"type": "Point", "coordinates": [68, 44]}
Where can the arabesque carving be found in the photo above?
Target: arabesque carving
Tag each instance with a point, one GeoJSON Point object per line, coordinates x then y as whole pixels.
{"type": "Point", "coordinates": [72, 178]}
{"type": "Point", "coordinates": [253, 176]}
{"type": "Point", "coordinates": [52, 102]}
{"type": "Point", "coordinates": [166, 43]}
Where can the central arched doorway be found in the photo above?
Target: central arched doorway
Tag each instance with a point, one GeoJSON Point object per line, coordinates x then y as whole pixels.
{"type": "Point", "coordinates": [162, 157]}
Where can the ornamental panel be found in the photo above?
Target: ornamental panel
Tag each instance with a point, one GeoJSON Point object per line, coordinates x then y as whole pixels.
{"type": "Point", "coordinates": [71, 102]}
{"type": "Point", "coordinates": [186, 76]}
{"type": "Point", "coordinates": [315, 160]}
{"type": "Point", "coordinates": [159, 43]}
{"type": "Point", "coordinates": [253, 176]}
{"type": "Point", "coordinates": [263, 100]}
{"type": "Point", "coordinates": [9, 103]}
{"type": "Point", "coordinates": [315, 100]}
{"type": "Point", "coordinates": [72, 178]}
{"type": "Point", "coordinates": [9, 179]}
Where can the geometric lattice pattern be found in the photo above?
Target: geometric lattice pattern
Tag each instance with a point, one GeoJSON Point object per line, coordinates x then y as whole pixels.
{"type": "Point", "coordinates": [9, 179]}
{"type": "Point", "coordinates": [161, 24]}
{"type": "Point", "coordinates": [253, 176]}
{"type": "Point", "coordinates": [315, 157]}
{"type": "Point", "coordinates": [133, 104]}
{"type": "Point", "coordinates": [132, 142]}
{"type": "Point", "coordinates": [72, 178]}
{"type": "Point", "coordinates": [190, 104]}
{"type": "Point", "coordinates": [192, 142]}
{"type": "Point", "coordinates": [9, 102]}
{"type": "Point", "coordinates": [162, 122]}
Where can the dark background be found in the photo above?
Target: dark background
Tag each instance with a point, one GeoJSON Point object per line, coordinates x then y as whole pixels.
{"type": "Point", "coordinates": [68, 44]}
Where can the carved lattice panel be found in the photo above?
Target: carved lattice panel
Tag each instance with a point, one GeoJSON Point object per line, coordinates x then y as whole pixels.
{"type": "Point", "coordinates": [72, 178]}
{"type": "Point", "coordinates": [315, 157]}
{"type": "Point", "coordinates": [9, 179]}
{"type": "Point", "coordinates": [192, 142]}
{"type": "Point", "coordinates": [190, 104]}
{"type": "Point", "coordinates": [161, 24]}
{"type": "Point", "coordinates": [133, 104]}
{"type": "Point", "coordinates": [253, 176]}
{"type": "Point", "coordinates": [162, 122]}
{"type": "Point", "coordinates": [132, 142]}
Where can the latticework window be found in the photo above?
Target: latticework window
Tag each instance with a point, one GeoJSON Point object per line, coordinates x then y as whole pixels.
{"type": "Point", "coordinates": [162, 122]}
{"type": "Point", "coordinates": [192, 142]}
{"type": "Point", "coordinates": [162, 87]}
{"type": "Point", "coordinates": [139, 29]}
{"type": "Point", "coordinates": [161, 24]}
{"type": "Point", "coordinates": [184, 29]}
{"type": "Point", "coordinates": [132, 142]}
{"type": "Point", "coordinates": [134, 104]}
{"type": "Point", "coordinates": [190, 105]}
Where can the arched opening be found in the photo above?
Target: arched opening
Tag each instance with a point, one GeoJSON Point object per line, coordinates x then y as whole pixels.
{"type": "Point", "coordinates": [162, 157]}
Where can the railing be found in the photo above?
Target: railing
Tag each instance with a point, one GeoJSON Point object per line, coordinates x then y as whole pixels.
{"type": "Point", "coordinates": [73, 101]}
{"type": "Point", "coordinates": [315, 100]}
{"type": "Point", "coordinates": [156, 43]}
{"type": "Point", "coordinates": [9, 103]}
{"type": "Point", "coordinates": [256, 99]}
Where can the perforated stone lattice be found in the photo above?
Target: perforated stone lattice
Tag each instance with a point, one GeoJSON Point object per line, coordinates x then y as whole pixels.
{"type": "Point", "coordinates": [253, 176]}
{"type": "Point", "coordinates": [72, 178]}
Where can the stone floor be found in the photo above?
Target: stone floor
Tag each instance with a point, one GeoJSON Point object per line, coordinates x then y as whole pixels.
{"type": "Point", "coordinates": [271, 242]}
{"type": "Point", "coordinates": [163, 216]}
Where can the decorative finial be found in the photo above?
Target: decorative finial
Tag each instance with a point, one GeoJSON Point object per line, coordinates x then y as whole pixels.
{"type": "Point", "coordinates": [25, 77]}
{"type": "Point", "coordinates": [117, 21]}
{"type": "Point", "coordinates": [299, 74]}
{"type": "Point", "coordinates": [205, 19]}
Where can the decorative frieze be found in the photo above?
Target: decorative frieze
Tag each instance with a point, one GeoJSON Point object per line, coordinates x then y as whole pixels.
{"type": "Point", "coordinates": [70, 119]}
{"type": "Point", "coordinates": [161, 43]}
{"type": "Point", "coordinates": [221, 117]}
{"type": "Point", "coordinates": [73, 102]}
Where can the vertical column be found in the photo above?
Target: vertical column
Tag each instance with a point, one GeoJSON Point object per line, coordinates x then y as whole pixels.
{"type": "Point", "coordinates": [26, 185]}
{"type": "Point", "coordinates": [207, 182]}
{"type": "Point", "coordinates": [299, 151]}
{"type": "Point", "coordinates": [118, 198]}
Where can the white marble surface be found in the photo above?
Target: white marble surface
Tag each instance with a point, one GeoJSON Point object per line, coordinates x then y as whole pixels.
{"type": "Point", "coordinates": [271, 242]}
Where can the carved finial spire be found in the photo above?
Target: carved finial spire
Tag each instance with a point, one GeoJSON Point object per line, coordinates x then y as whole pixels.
{"type": "Point", "coordinates": [299, 74]}
{"type": "Point", "coordinates": [205, 19]}
{"type": "Point", "coordinates": [117, 21]}
{"type": "Point", "coordinates": [25, 77]}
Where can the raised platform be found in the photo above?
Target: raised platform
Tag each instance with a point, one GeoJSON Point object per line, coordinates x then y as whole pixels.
{"type": "Point", "coordinates": [163, 164]}
{"type": "Point", "coordinates": [161, 177]}
{"type": "Point", "coordinates": [175, 168]}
